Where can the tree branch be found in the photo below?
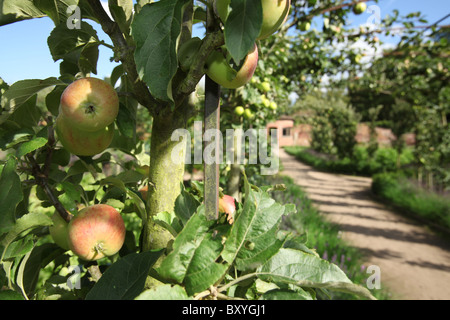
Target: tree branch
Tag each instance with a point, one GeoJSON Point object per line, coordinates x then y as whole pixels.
{"type": "Point", "coordinates": [197, 70]}
{"type": "Point", "coordinates": [320, 11]}
{"type": "Point", "coordinates": [42, 181]}
{"type": "Point", "coordinates": [125, 54]}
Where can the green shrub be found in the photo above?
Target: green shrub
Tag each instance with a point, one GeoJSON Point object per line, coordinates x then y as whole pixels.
{"type": "Point", "coordinates": [360, 163]}
{"type": "Point", "coordinates": [399, 191]}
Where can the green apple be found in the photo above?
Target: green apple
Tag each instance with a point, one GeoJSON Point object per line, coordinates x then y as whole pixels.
{"type": "Point", "coordinates": [89, 104]}
{"type": "Point", "coordinates": [265, 101]}
{"type": "Point", "coordinates": [248, 114]}
{"type": "Point", "coordinates": [58, 231]}
{"type": "Point", "coordinates": [275, 13]}
{"type": "Point", "coordinates": [273, 105]}
{"type": "Point", "coordinates": [357, 58]}
{"type": "Point", "coordinates": [239, 110]}
{"type": "Point", "coordinates": [95, 232]}
{"type": "Point", "coordinates": [218, 68]}
{"type": "Point", "coordinates": [265, 86]}
{"type": "Point", "coordinates": [359, 8]}
{"type": "Point", "coordinates": [83, 143]}
{"type": "Point", "coordinates": [305, 25]}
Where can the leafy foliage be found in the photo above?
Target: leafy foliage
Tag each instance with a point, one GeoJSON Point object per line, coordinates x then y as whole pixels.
{"type": "Point", "coordinates": [197, 258]}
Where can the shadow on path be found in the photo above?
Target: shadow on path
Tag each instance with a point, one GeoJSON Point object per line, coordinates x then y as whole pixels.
{"type": "Point", "coordinates": [414, 262]}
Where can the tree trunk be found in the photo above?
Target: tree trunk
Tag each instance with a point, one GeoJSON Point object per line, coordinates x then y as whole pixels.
{"type": "Point", "coordinates": [165, 177]}
{"type": "Point", "coordinates": [234, 181]}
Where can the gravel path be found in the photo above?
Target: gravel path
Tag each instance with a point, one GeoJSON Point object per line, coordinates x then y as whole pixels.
{"type": "Point", "coordinates": [414, 263]}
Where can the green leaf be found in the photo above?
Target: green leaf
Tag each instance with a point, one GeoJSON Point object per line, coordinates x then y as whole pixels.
{"type": "Point", "coordinates": [285, 294]}
{"type": "Point", "coordinates": [40, 257]}
{"type": "Point", "coordinates": [31, 146]}
{"type": "Point", "coordinates": [27, 115]}
{"type": "Point", "coordinates": [24, 224]}
{"type": "Point", "coordinates": [164, 292]}
{"type": "Point", "coordinates": [194, 255]}
{"type": "Point", "coordinates": [155, 30]}
{"type": "Point", "coordinates": [53, 98]}
{"type": "Point", "coordinates": [124, 279]}
{"type": "Point", "coordinates": [21, 91]}
{"type": "Point", "coordinates": [122, 12]}
{"type": "Point", "coordinates": [12, 134]}
{"type": "Point", "coordinates": [242, 27]}
{"type": "Point", "coordinates": [63, 41]}
{"type": "Point", "coordinates": [56, 10]}
{"type": "Point", "coordinates": [126, 122]}
{"type": "Point", "coordinates": [70, 43]}
{"type": "Point", "coordinates": [117, 182]}
{"type": "Point", "coordinates": [169, 221]}
{"type": "Point", "coordinates": [10, 195]}
{"type": "Point", "coordinates": [19, 248]}
{"type": "Point", "coordinates": [309, 271]}
{"type": "Point", "coordinates": [116, 74]}
{"type": "Point", "coordinates": [10, 295]}
{"type": "Point", "coordinates": [253, 237]}
{"type": "Point", "coordinates": [203, 270]}
{"type": "Point", "coordinates": [17, 10]}
{"type": "Point", "coordinates": [87, 61]}
{"type": "Point", "coordinates": [185, 206]}
{"type": "Point", "coordinates": [70, 197]}
{"type": "Point", "coordinates": [20, 273]}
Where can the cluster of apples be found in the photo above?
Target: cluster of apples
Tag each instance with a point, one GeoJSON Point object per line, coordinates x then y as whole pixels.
{"type": "Point", "coordinates": [85, 123]}
{"type": "Point", "coordinates": [218, 65]}
{"type": "Point", "coordinates": [85, 127]}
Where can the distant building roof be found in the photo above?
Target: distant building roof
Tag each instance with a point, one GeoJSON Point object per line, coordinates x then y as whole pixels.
{"type": "Point", "coordinates": [284, 117]}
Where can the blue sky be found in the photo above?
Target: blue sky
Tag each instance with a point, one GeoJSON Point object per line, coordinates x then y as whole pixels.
{"type": "Point", "coordinates": [25, 55]}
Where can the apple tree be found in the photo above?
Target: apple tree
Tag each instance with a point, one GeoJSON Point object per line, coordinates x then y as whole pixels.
{"type": "Point", "coordinates": [174, 245]}
{"type": "Point", "coordinates": [409, 86]}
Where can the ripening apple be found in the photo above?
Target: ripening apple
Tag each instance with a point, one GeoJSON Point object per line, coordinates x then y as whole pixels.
{"type": "Point", "coordinates": [58, 231]}
{"type": "Point", "coordinates": [275, 13]}
{"type": "Point", "coordinates": [273, 105]}
{"type": "Point", "coordinates": [359, 8]}
{"type": "Point", "coordinates": [83, 143]}
{"type": "Point", "coordinates": [96, 231]}
{"type": "Point", "coordinates": [144, 192]}
{"type": "Point", "coordinates": [89, 104]}
{"type": "Point", "coordinates": [239, 110]}
{"type": "Point", "coordinates": [218, 68]}
{"type": "Point", "coordinates": [227, 206]}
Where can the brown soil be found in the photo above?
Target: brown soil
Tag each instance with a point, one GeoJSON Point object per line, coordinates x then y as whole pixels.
{"type": "Point", "coordinates": [414, 262]}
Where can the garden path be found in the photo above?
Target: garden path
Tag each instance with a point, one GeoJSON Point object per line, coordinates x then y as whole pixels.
{"type": "Point", "coordinates": [413, 261]}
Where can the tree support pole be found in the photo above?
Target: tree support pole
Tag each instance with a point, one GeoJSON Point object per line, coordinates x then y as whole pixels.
{"type": "Point", "coordinates": [212, 121]}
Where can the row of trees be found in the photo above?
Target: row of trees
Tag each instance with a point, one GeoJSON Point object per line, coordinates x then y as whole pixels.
{"type": "Point", "coordinates": [404, 89]}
